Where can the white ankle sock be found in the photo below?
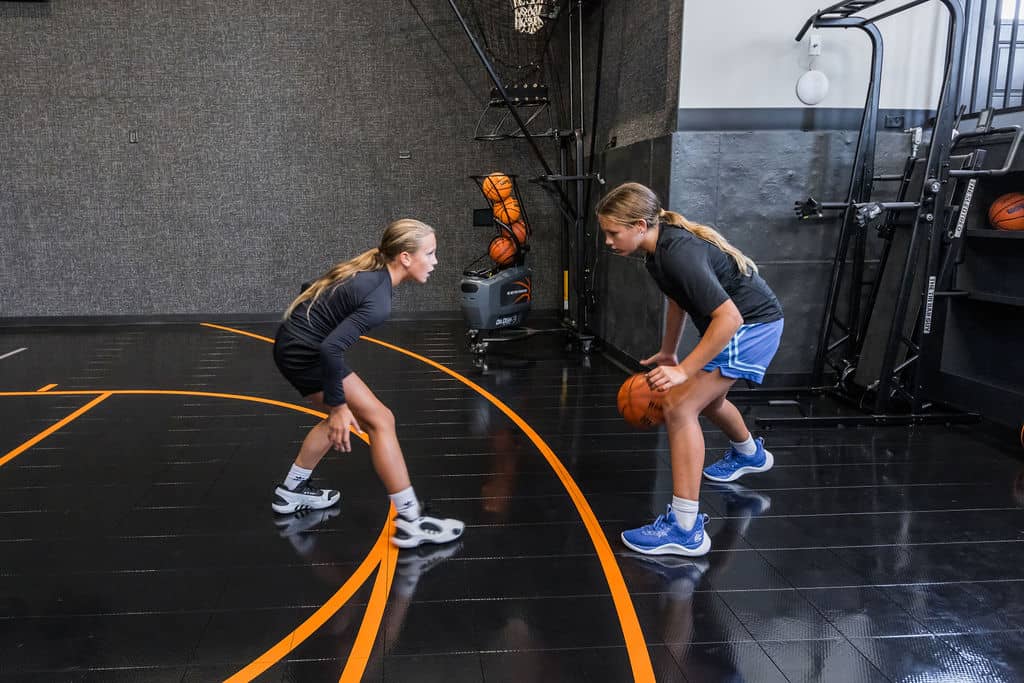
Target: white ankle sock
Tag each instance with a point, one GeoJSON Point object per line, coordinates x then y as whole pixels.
{"type": "Point", "coordinates": [296, 475]}
{"type": "Point", "coordinates": [747, 447]}
{"type": "Point", "coordinates": [686, 511]}
{"type": "Point", "coordinates": [406, 503]}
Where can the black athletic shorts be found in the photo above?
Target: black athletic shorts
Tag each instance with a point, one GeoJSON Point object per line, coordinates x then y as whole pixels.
{"type": "Point", "coordinates": [299, 364]}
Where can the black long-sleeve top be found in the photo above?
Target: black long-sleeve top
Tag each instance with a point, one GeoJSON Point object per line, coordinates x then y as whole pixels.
{"type": "Point", "coordinates": [341, 314]}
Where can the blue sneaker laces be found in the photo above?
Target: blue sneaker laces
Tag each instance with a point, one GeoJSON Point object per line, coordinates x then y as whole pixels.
{"type": "Point", "coordinates": [661, 525]}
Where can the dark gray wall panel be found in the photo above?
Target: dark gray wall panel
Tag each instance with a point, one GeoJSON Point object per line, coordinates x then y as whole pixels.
{"type": "Point", "coordinates": [639, 93]}
{"type": "Point", "coordinates": [630, 307]}
{"type": "Point", "coordinates": [744, 184]}
{"type": "Point", "coordinates": [65, 48]}
{"type": "Point", "coordinates": [273, 139]}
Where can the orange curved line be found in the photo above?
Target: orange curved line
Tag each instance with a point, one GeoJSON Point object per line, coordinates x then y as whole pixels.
{"type": "Point", "coordinates": [182, 392]}
{"type": "Point", "coordinates": [636, 645]}
{"type": "Point", "coordinates": [168, 392]}
{"type": "Point", "coordinates": [237, 331]}
{"type": "Point", "coordinates": [12, 454]}
{"type": "Point", "coordinates": [359, 656]}
{"type": "Point", "coordinates": [382, 555]}
{"type": "Point", "coordinates": [319, 617]}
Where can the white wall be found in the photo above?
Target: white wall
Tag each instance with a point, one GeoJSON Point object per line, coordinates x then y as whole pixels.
{"type": "Point", "coordinates": [742, 54]}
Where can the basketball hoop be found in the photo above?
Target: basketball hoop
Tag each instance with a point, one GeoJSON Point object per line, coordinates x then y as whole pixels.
{"type": "Point", "coordinates": [527, 15]}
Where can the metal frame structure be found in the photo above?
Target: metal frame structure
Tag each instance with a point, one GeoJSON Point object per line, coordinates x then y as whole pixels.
{"type": "Point", "coordinates": [562, 184]}
{"type": "Point", "coordinates": [901, 388]}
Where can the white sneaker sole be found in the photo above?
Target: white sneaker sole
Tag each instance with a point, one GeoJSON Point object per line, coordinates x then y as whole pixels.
{"type": "Point", "coordinates": [769, 461]}
{"type": "Point", "coordinates": [296, 506]}
{"type": "Point", "coordinates": [673, 548]}
{"type": "Point", "coordinates": [451, 530]}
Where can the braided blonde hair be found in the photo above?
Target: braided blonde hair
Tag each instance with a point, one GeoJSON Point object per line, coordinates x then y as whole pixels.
{"type": "Point", "coordinates": [404, 235]}
{"type": "Point", "coordinates": [631, 202]}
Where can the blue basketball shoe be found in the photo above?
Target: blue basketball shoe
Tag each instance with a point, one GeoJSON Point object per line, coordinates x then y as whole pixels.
{"type": "Point", "coordinates": [734, 464]}
{"type": "Point", "coordinates": [666, 537]}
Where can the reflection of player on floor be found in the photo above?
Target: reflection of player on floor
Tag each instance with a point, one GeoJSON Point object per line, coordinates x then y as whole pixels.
{"type": "Point", "coordinates": [684, 587]}
{"type": "Point", "coordinates": [740, 323]}
{"type": "Point", "coordinates": [319, 327]}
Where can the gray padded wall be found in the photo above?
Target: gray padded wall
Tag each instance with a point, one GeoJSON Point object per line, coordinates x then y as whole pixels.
{"type": "Point", "coordinates": [636, 114]}
{"type": "Point", "coordinates": [745, 184]}
{"type": "Point", "coordinates": [273, 139]}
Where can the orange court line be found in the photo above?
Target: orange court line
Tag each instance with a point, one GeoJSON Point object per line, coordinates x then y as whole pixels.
{"type": "Point", "coordinates": [359, 577]}
{"type": "Point", "coordinates": [355, 665]}
{"type": "Point", "coordinates": [11, 455]}
{"type": "Point", "coordinates": [320, 617]}
{"type": "Point", "coordinates": [237, 331]}
{"type": "Point", "coordinates": [46, 388]}
{"type": "Point", "coordinates": [636, 645]}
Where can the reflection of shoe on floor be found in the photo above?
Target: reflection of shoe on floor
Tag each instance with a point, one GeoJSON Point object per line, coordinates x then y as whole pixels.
{"type": "Point", "coordinates": [304, 497]}
{"type": "Point", "coordinates": [682, 574]}
{"type": "Point", "coordinates": [304, 520]}
{"type": "Point", "coordinates": [734, 464]}
{"type": "Point", "coordinates": [665, 537]}
{"type": "Point", "coordinates": [426, 530]}
{"type": "Point", "coordinates": [742, 499]}
{"type": "Point", "coordinates": [415, 562]}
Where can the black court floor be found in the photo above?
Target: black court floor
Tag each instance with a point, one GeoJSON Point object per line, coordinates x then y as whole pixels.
{"type": "Point", "coordinates": [137, 541]}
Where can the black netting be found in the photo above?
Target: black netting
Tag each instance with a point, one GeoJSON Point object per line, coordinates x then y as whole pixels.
{"type": "Point", "coordinates": [515, 34]}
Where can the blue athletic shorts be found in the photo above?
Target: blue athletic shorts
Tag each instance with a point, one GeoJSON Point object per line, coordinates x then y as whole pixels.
{"type": "Point", "coordinates": [749, 352]}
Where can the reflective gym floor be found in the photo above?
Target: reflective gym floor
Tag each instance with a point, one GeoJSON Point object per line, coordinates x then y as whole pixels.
{"type": "Point", "coordinates": [137, 541]}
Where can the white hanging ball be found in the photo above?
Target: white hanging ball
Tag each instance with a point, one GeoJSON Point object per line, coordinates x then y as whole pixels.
{"type": "Point", "coordinates": [812, 87]}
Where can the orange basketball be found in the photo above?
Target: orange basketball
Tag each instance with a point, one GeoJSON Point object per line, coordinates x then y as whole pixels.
{"type": "Point", "coordinates": [497, 186]}
{"type": "Point", "coordinates": [519, 230]}
{"type": "Point", "coordinates": [507, 210]}
{"type": "Point", "coordinates": [639, 404]}
{"type": "Point", "coordinates": [502, 250]}
{"type": "Point", "coordinates": [1007, 212]}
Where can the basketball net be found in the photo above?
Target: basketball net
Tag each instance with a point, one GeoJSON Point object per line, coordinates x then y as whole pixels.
{"type": "Point", "coordinates": [527, 15]}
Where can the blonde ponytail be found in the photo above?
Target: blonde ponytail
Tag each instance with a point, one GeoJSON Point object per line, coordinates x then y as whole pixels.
{"type": "Point", "coordinates": [404, 235]}
{"type": "Point", "coordinates": [631, 202]}
{"type": "Point", "coordinates": [370, 259]}
{"type": "Point", "coordinates": [709, 234]}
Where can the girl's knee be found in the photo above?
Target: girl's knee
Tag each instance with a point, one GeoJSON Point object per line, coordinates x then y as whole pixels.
{"type": "Point", "coordinates": [680, 408]}
{"type": "Point", "coordinates": [377, 420]}
{"type": "Point", "coordinates": [714, 406]}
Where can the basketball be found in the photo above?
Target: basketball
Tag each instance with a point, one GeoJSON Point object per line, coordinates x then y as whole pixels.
{"type": "Point", "coordinates": [639, 404]}
{"type": "Point", "coordinates": [502, 250]}
{"type": "Point", "coordinates": [1007, 212]}
{"type": "Point", "coordinates": [519, 230]}
{"type": "Point", "coordinates": [507, 210]}
{"type": "Point", "coordinates": [497, 186]}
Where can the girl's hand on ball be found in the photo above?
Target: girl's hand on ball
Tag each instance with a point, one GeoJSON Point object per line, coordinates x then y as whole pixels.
{"type": "Point", "coordinates": [664, 377]}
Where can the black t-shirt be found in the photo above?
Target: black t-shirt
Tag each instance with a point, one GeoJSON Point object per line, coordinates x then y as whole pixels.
{"type": "Point", "coordinates": [699, 277]}
{"type": "Point", "coordinates": [341, 314]}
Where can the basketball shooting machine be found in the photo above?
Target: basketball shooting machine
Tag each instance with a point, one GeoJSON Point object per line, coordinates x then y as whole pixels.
{"type": "Point", "coordinates": [497, 288]}
{"type": "Point", "coordinates": [511, 39]}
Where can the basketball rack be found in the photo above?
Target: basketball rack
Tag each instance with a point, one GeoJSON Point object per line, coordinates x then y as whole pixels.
{"type": "Point", "coordinates": [483, 265]}
{"type": "Point", "coordinates": [518, 98]}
